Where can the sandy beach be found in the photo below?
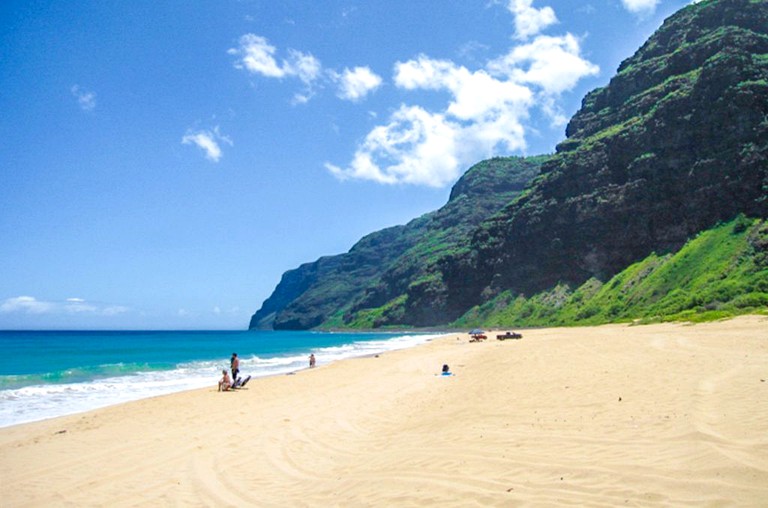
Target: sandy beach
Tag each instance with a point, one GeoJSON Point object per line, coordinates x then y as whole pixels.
{"type": "Point", "coordinates": [657, 415]}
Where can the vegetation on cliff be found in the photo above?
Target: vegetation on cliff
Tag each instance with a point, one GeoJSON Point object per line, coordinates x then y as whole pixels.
{"type": "Point", "coordinates": [720, 273]}
{"type": "Point", "coordinates": [340, 291]}
{"type": "Point", "coordinates": [675, 145]}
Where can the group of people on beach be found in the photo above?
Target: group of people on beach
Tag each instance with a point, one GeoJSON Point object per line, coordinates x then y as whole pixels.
{"type": "Point", "coordinates": [226, 382]}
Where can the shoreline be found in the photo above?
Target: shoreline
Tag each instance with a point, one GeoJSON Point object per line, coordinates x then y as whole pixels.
{"type": "Point", "coordinates": [437, 336]}
{"type": "Point", "coordinates": [663, 414]}
{"type": "Point", "coordinates": [42, 400]}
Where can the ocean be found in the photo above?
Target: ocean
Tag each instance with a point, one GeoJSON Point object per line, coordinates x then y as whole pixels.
{"type": "Point", "coordinates": [45, 374]}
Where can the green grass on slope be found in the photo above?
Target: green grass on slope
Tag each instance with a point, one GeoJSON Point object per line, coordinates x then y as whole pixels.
{"type": "Point", "coordinates": [720, 273]}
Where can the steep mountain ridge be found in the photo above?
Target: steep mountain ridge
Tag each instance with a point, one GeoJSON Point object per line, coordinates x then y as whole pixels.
{"type": "Point", "coordinates": [336, 290]}
{"type": "Point", "coordinates": [675, 143]}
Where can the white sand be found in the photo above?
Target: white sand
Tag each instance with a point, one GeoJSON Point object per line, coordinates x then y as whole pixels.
{"type": "Point", "coordinates": [660, 415]}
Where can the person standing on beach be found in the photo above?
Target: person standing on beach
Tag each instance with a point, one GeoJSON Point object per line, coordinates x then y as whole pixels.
{"type": "Point", "coordinates": [234, 366]}
{"type": "Point", "coordinates": [311, 360]}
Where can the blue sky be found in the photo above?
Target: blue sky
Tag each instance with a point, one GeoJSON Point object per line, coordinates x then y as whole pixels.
{"type": "Point", "coordinates": [162, 163]}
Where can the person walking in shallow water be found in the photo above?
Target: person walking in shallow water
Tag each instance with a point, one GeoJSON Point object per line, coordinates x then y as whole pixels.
{"type": "Point", "coordinates": [311, 360]}
{"type": "Point", "coordinates": [234, 366]}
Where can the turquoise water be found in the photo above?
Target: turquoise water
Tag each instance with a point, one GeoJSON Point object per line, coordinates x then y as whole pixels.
{"type": "Point", "coordinates": [44, 374]}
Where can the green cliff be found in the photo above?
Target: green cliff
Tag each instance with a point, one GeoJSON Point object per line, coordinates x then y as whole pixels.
{"type": "Point", "coordinates": [674, 145]}
{"type": "Point", "coordinates": [339, 291]}
{"type": "Point", "coordinates": [720, 272]}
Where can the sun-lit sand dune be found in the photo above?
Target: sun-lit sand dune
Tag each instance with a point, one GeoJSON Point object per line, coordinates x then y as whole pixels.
{"type": "Point", "coordinates": [659, 415]}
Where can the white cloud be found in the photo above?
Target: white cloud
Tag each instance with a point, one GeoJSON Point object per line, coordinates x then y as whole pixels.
{"type": "Point", "coordinates": [530, 21]}
{"type": "Point", "coordinates": [25, 304]}
{"type": "Point", "coordinates": [355, 84]}
{"type": "Point", "coordinates": [114, 310]}
{"type": "Point", "coordinates": [484, 114]}
{"type": "Point", "coordinates": [86, 99]}
{"type": "Point", "coordinates": [256, 55]}
{"type": "Point", "coordinates": [552, 64]}
{"type": "Point", "coordinates": [471, 49]}
{"type": "Point", "coordinates": [78, 305]}
{"type": "Point", "coordinates": [640, 6]}
{"type": "Point", "coordinates": [31, 305]}
{"type": "Point", "coordinates": [476, 95]}
{"type": "Point", "coordinates": [305, 67]}
{"type": "Point", "coordinates": [418, 148]}
{"type": "Point", "coordinates": [231, 311]}
{"type": "Point", "coordinates": [208, 141]}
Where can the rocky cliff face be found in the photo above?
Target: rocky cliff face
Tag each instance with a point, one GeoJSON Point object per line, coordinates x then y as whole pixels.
{"type": "Point", "coordinates": [309, 295]}
{"type": "Point", "coordinates": [674, 144]}
{"type": "Point", "coordinates": [338, 291]}
{"type": "Point", "coordinates": [677, 142]}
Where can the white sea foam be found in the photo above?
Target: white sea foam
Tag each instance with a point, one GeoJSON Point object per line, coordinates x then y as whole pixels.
{"type": "Point", "coordinates": [40, 402]}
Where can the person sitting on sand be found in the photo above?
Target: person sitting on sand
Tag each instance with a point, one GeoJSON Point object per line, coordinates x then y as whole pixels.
{"type": "Point", "coordinates": [446, 370]}
{"type": "Point", "coordinates": [225, 383]}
